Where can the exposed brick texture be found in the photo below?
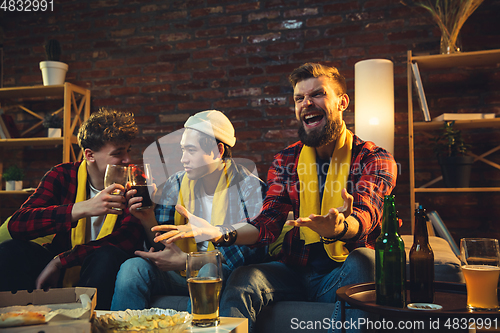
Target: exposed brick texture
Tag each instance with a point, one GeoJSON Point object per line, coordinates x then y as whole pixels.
{"type": "Point", "coordinates": [165, 60]}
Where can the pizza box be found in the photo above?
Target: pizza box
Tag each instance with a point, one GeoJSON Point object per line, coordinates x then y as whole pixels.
{"type": "Point", "coordinates": [67, 315]}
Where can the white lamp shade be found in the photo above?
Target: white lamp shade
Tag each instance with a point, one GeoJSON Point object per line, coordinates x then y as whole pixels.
{"type": "Point", "coordinates": [374, 102]}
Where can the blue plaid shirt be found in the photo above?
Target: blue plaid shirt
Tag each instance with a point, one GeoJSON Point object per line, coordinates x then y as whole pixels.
{"type": "Point", "coordinates": [246, 194]}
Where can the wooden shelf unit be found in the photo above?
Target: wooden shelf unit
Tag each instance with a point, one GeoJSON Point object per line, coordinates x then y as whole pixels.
{"type": "Point", "coordinates": [444, 61]}
{"type": "Point", "coordinates": [75, 110]}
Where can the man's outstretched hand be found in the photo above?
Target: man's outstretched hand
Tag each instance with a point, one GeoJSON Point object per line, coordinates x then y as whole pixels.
{"type": "Point", "coordinates": [331, 224]}
{"type": "Point", "coordinates": [171, 258]}
{"type": "Point", "coordinates": [196, 228]}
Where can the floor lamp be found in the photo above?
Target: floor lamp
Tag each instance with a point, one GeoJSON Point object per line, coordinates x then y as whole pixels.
{"type": "Point", "coordinates": [374, 102]}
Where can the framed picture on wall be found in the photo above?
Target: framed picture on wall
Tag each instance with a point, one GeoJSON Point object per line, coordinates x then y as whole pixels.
{"type": "Point", "coordinates": [420, 90]}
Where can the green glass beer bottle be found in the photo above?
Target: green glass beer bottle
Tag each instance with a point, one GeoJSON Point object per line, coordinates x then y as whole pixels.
{"type": "Point", "coordinates": [390, 260]}
{"type": "Point", "coordinates": [421, 262]}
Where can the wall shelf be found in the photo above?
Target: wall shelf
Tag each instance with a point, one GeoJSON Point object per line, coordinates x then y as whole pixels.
{"type": "Point", "coordinates": [74, 111]}
{"type": "Point", "coordinates": [430, 63]}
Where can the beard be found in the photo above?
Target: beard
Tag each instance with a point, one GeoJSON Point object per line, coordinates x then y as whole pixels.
{"type": "Point", "coordinates": [320, 137]}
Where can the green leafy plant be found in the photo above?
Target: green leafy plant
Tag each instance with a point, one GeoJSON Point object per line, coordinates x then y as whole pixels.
{"type": "Point", "coordinates": [53, 50]}
{"type": "Point", "coordinates": [52, 121]}
{"type": "Point", "coordinates": [450, 142]}
{"type": "Point", "coordinates": [13, 173]}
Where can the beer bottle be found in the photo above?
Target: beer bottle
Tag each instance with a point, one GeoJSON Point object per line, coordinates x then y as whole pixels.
{"type": "Point", "coordinates": [390, 260]}
{"type": "Point", "coordinates": [421, 262]}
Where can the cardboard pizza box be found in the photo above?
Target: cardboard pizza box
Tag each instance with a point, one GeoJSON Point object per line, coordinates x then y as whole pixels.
{"type": "Point", "coordinates": [62, 301]}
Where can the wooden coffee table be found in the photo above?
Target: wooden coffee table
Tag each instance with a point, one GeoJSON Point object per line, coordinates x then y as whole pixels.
{"type": "Point", "coordinates": [451, 296]}
{"type": "Point", "coordinates": [227, 325]}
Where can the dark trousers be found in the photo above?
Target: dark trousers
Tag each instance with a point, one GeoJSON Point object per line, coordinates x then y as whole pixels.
{"type": "Point", "coordinates": [22, 261]}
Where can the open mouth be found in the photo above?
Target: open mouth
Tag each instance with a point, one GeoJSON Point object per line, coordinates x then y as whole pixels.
{"type": "Point", "coordinates": [313, 118]}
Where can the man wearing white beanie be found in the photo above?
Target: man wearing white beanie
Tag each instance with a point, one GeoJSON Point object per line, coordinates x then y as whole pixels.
{"type": "Point", "coordinates": [213, 123]}
{"type": "Point", "coordinates": [213, 186]}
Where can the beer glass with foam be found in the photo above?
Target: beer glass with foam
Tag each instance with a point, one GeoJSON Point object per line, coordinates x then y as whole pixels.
{"type": "Point", "coordinates": [204, 279]}
{"type": "Point", "coordinates": [115, 174]}
{"type": "Point", "coordinates": [480, 261]}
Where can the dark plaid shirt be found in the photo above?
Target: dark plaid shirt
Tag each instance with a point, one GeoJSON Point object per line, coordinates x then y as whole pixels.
{"type": "Point", "coordinates": [48, 211]}
{"type": "Point", "coordinates": [372, 175]}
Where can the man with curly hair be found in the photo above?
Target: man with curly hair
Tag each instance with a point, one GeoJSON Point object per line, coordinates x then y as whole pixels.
{"type": "Point", "coordinates": [91, 239]}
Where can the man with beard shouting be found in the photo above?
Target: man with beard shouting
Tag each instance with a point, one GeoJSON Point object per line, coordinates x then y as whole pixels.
{"type": "Point", "coordinates": [334, 183]}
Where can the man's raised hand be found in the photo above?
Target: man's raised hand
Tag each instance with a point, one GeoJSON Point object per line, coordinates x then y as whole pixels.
{"type": "Point", "coordinates": [196, 228]}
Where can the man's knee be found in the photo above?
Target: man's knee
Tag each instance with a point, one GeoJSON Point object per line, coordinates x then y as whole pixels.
{"type": "Point", "coordinates": [109, 253]}
{"type": "Point", "coordinates": [12, 250]}
{"type": "Point", "coordinates": [246, 277]}
{"type": "Point", "coordinates": [362, 260]}
{"type": "Point", "coordinates": [12, 246]}
{"type": "Point", "coordinates": [134, 268]}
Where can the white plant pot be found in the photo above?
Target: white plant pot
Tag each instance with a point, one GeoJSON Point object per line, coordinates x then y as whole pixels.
{"type": "Point", "coordinates": [53, 72]}
{"type": "Point", "coordinates": [13, 185]}
{"type": "Point", "coordinates": [54, 133]}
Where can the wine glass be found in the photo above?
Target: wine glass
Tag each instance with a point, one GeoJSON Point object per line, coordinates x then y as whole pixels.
{"type": "Point", "coordinates": [116, 174]}
{"type": "Point", "coordinates": [140, 179]}
{"type": "Point", "coordinates": [480, 261]}
{"type": "Point", "coordinates": [204, 279]}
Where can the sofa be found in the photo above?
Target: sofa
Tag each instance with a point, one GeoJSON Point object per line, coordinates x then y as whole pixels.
{"type": "Point", "coordinates": [279, 317]}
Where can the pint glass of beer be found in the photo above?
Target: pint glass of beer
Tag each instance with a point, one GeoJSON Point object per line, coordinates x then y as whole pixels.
{"type": "Point", "coordinates": [204, 279]}
{"type": "Point", "coordinates": [116, 174]}
{"type": "Point", "coordinates": [480, 261]}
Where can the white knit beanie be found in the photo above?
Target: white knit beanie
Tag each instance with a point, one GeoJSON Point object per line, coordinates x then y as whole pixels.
{"type": "Point", "coordinates": [213, 123]}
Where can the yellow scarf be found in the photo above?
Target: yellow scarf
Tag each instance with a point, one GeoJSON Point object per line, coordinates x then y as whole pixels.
{"type": "Point", "coordinates": [336, 180]}
{"type": "Point", "coordinates": [78, 233]}
{"type": "Point", "coordinates": [4, 231]}
{"type": "Point", "coordinates": [187, 198]}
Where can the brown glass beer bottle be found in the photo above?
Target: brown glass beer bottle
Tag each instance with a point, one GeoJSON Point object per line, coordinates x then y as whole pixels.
{"type": "Point", "coordinates": [421, 262]}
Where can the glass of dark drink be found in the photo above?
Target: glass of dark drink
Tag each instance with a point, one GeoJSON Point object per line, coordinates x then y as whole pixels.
{"type": "Point", "coordinates": [141, 180]}
{"type": "Point", "coordinates": [204, 279]}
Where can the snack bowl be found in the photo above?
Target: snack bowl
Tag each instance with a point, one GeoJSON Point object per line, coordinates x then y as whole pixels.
{"type": "Point", "coordinates": [152, 320]}
{"type": "Point", "coordinates": [424, 306]}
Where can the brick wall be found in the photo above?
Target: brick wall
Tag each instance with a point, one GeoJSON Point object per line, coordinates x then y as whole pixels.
{"type": "Point", "coordinates": [165, 60]}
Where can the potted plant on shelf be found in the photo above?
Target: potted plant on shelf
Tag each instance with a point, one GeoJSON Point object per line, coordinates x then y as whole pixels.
{"type": "Point", "coordinates": [53, 70]}
{"type": "Point", "coordinates": [54, 124]}
{"type": "Point", "coordinates": [451, 150]}
{"type": "Point", "coordinates": [13, 178]}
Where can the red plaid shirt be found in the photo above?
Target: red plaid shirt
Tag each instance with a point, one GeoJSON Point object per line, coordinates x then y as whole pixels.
{"type": "Point", "coordinates": [48, 211]}
{"type": "Point", "coordinates": [372, 175]}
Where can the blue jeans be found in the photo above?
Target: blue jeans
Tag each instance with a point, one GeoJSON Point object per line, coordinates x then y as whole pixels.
{"type": "Point", "coordinates": [139, 279]}
{"type": "Point", "coordinates": [251, 288]}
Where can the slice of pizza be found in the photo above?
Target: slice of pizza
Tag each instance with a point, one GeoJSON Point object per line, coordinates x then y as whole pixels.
{"type": "Point", "coordinates": [21, 318]}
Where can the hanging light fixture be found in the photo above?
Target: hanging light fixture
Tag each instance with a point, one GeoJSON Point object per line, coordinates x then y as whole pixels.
{"type": "Point", "coordinates": [374, 102]}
